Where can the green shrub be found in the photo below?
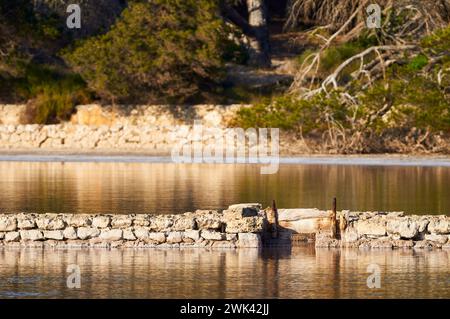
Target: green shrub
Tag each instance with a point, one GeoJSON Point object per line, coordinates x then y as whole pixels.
{"type": "Point", "coordinates": [289, 113]}
{"type": "Point", "coordinates": [164, 50]}
{"type": "Point", "coordinates": [335, 55]}
{"type": "Point", "coordinates": [52, 94]}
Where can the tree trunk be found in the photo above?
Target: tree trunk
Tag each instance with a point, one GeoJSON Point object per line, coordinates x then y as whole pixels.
{"type": "Point", "coordinates": [259, 44]}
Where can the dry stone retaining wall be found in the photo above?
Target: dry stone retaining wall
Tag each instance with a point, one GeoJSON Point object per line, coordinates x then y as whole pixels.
{"type": "Point", "coordinates": [153, 129]}
{"type": "Point", "coordinates": [240, 226]}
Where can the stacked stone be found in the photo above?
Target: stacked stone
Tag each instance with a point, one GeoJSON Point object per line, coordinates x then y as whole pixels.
{"type": "Point", "coordinates": [93, 127]}
{"type": "Point", "coordinates": [238, 226]}
{"type": "Point", "coordinates": [76, 137]}
{"type": "Point", "coordinates": [389, 230]}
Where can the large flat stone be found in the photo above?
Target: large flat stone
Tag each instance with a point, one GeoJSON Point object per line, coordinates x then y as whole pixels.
{"type": "Point", "coordinates": [299, 214]}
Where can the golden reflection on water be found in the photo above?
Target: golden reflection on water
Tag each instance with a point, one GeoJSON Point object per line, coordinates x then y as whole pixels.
{"type": "Point", "coordinates": [166, 187]}
{"type": "Point", "coordinates": [301, 272]}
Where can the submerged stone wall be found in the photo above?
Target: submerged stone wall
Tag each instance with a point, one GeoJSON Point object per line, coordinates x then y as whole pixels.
{"type": "Point", "coordinates": [240, 226]}
{"type": "Point", "coordinates": [388, 230]}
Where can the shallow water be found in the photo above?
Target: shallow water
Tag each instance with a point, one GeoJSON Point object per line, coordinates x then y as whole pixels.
{"type": "Point", "coordinates": [154, 187]}
{"type": "Point", "coordinates": [300, 272]}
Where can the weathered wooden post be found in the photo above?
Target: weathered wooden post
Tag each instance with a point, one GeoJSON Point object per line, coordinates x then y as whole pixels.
{"type": "Point", "coordinates": [275, 224]}
{"type": "Point", "coordinates": [334, 219]}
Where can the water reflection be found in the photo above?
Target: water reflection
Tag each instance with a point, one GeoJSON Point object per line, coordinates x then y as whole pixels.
{"type": "Point", "coordinates": [166, 187]}
{"type": "Point", "coordinates": [301, 272]}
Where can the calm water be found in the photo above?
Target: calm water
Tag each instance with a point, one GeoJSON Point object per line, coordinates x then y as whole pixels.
{"type": "Point", "coordinates": [165, 187]}
{"type": "Point", "coordinates": [196, 273]}
{"type": "Point", "coordinates": [301, 272]}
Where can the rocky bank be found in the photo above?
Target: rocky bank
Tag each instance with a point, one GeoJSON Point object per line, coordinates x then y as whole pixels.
{"type": "Point", "coordinates": [145, 129]}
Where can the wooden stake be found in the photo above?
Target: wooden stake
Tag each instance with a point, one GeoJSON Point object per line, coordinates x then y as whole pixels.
{"type": "Point", "coordinates": [275, 225]}
{"type": "Point", "coordinates": [334, 219]}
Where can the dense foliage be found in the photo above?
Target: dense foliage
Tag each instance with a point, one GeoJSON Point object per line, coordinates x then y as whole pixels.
{"type": "Point", "coordinates": [413, 95]}
{"type": "Point", "coordinates": [160, 49]}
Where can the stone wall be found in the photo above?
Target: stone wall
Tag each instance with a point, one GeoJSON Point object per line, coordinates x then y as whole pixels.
{"type": "Point", "coordinates": [240, 226]}
{"type": "Point", "coordinates": [147, 129]}
{"type": "Point", "coordinates": [388, 230]}
{"type": "Point", "coordinates": [11, 114]}
{"type": "Point", "coordinates": [155, 115]}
